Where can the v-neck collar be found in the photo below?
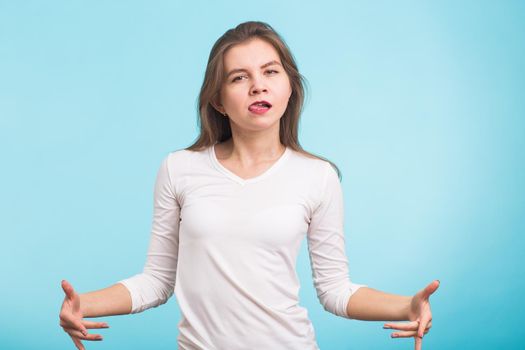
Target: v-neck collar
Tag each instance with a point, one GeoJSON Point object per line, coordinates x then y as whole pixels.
{"type": "Point", "coordinates": [240, 180]}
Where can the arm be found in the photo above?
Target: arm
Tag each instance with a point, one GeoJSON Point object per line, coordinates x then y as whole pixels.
{"type": "Point", "coordinates": [148, 289]}
{"type": "Point", "coordinates": [337, 293]}
{"type": "Point", "coordinates": [156, 284]}
{"type": "Point", "coordinates": [369, 304]}
{"type": "Point", "coordinates": [373, 305]}
{"type": "Point", "coordinates": [113, 300]}
{"type": "Point", "coordinates": [326, 246]}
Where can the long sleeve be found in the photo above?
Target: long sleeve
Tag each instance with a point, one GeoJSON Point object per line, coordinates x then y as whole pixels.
{"type": "Point", "coordinates": [155, 285]}
{"type": "Point", "coordinates": [326, 247]}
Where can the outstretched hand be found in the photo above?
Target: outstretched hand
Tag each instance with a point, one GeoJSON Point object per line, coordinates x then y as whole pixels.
{"type": "Point", "coordinates": [71, 318]}
{"type": "Point", "coordinates": [419, 314]}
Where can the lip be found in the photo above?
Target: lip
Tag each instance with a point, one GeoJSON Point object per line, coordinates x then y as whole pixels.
{"type": "Point", "coordinates": [258, 110]}
{"type": "Point", "coordinates": [262, 101]}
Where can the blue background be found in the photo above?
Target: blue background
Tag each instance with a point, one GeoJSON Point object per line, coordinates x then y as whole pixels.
{"type": "Point", "coordinates": [420, 104]}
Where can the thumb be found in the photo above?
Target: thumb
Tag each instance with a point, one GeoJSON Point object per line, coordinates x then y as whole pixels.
{"type": "Point", "coordinates": [68, 289]}
{"type": "Point", "coordinates": [431, 288]}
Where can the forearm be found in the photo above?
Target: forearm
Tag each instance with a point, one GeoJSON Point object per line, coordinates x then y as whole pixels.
{"type": "Point", "coordinates": [373, 305]}
{"type": "Point", "coordinates": [113, 300]}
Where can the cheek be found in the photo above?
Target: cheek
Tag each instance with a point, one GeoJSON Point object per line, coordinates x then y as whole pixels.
{"type": "Point", "coordinates": [286, 89]}
{"type": "Point", "coordinates": [286, 93]}
{"type": "Point", "coordinates": [231, 98]}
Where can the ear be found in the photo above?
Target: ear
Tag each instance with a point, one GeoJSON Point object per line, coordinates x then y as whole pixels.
{"type": "Point", "coordinates": [215, 102]}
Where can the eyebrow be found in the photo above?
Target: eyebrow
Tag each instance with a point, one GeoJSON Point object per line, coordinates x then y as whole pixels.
{"type": "Point", "coordinates": [237, 70]}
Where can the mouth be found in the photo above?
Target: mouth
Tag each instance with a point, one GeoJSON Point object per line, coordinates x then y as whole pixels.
{"type": "Point", "coordinates": [260, 107]}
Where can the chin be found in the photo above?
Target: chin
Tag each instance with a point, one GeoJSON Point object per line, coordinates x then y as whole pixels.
{"type": "Point", "coordinates": [261, 123]}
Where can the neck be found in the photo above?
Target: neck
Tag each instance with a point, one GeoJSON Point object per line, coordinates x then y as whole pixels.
{"type": "Point", "coordinates": [250, 148]}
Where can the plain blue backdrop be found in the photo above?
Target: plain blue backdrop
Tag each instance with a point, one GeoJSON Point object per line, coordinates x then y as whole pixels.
{"type": "Point", "coordinates": [420, 104]}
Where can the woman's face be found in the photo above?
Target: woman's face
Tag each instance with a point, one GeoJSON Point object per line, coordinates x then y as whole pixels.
{"type": "Point", "coordinates": [254, 73]}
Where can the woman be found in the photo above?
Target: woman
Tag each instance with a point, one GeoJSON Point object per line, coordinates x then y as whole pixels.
{"type": "Point", "coordinates": [230, 212]}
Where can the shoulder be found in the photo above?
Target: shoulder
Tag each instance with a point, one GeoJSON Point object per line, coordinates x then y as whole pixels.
{"type": "Point", "coordinates": [182, 160]}
{"type": "Point", "coordinates": [179, 165]}
{"type": "Point", "coordinates": [312, 166]}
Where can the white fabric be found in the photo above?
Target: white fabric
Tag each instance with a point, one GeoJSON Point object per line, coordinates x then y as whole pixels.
{"type": "Point", "coordinates": [227, 247]}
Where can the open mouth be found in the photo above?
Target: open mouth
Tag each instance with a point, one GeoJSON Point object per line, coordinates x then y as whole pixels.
{"type": "Point", "coordinates": [260, 106]}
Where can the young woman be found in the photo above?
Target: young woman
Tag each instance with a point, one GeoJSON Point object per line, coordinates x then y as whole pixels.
{"type": "Point", "coordinates": [230, 213]}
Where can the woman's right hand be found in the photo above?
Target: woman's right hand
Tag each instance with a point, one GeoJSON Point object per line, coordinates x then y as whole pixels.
{"type": "Point", "coordinates": [71, 318]}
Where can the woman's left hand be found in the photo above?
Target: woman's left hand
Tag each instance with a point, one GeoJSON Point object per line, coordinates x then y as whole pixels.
{"type": "Point", "coordinates": [419, 314]}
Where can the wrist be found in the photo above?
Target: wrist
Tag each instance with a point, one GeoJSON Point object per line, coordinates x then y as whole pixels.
{"type": "Point", "coordinates": [83, 305]}
{"type": "Point", "coordinates": [406, 308]}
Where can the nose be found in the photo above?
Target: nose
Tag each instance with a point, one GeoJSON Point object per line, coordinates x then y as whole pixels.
{"type": "Point", "coordinates": [258, 86]}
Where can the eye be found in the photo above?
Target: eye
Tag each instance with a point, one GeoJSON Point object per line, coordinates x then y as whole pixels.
{"type": "Point", "coordinates": [237, 78]}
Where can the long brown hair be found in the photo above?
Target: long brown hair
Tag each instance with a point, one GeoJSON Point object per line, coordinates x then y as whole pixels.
{"type": "Point", "coordinates": [214, 127]}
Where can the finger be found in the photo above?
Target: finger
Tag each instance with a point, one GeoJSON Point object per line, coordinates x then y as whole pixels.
{"type": "Point", "coordinates": [405, 334]}
{"type": "Point", "coordinates": [68, 289]}
{"type": "Point", "coordinates": [423, 325]}
{"type": "Point", "coordinates": [431, 288]}
{"type": "Point", "coordinates": [407, 326]}
{"type": "Point", "coordinates": [419, 343]}
{"type": "Point", "coordinates": [75, 333]}
{"type": "Point", "coordinates": [73, 324]}
{"type": "Point", "coordinates": [91, 324]}
{"type": "Point", "coordinates": [78, 343]}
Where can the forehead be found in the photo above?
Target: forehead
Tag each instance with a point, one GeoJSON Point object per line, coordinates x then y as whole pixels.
{"type": "Point", "coordinates": [255, 52]}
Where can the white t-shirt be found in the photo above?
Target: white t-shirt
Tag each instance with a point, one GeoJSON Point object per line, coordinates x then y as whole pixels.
{"type": "Point", "coordinates": [228, 247]}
